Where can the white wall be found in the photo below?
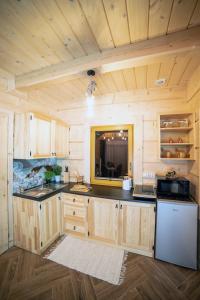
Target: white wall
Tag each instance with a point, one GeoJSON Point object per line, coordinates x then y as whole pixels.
{"type": "Point", "coordinates": [143, 115]}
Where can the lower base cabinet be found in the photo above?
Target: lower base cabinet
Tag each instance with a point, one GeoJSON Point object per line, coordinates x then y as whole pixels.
{"type": "Point", "coordinates": [36, 224]}
{"type": "Point", "coordinates": [129, 225]}
{"type": "Point", "coordinates": [103, 220]}
{"type": "Point", "coordinates": [74, 214]}
{"type": "Point", "coordinates": [137, 227]}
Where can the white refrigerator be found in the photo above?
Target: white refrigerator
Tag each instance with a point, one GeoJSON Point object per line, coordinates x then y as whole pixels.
{"type": "Point", "coordinates": [176, 232]}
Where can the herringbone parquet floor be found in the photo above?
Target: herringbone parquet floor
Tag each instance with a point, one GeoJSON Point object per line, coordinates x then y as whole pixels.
{"type": "Point", "coordinates": [25, 276]}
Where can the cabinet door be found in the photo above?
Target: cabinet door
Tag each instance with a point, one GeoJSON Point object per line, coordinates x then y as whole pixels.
{"type": "Point", "coordinates": [50, 220]}
{"type": "Point", "coordinates": [27, 224]}
{"type": "Point", "coordinates": [40, 136]}
{"type": "Point", "coordinates": [137, 226]}
{"type": "Point", "coordinates": [103, 219]}
{"type": "Point", "coordinates": [61, 139]}
{"type": "Point", "coordinates": [3, 183]}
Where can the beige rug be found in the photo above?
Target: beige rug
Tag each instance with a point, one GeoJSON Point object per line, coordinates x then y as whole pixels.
{"type": "Point", "coordinates": [100, 261]}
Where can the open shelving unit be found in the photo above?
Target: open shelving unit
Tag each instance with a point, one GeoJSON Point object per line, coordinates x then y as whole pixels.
{"type": "Point", "coordinates": [176, 140]}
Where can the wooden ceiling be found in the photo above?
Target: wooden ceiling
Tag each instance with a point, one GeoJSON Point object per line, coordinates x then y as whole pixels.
{"type": "Point", "coordinates": [35, 33]}
{"type": "Point", "coordinates": [39, 34]}
{"type": "Point", "coordinates": [176, 69]}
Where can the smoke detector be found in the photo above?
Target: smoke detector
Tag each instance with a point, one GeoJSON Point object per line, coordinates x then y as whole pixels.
{"type": "Point", "coordinates": [160, 82]}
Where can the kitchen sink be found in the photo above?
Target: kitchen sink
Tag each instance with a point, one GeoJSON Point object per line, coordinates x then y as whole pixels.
{"type": "Point", "coordinates": [38, 192]}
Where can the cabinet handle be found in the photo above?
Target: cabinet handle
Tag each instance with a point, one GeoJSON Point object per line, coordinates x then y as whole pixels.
{"type": "Point", "coordinates": [120, 206]}
{"type": "Point", "coordinates": [74, 227]}
{"type": "Point", "coordinates": [74, 213]}
{"type": "Point", "coordinates": [74, 200]}
{"type": "Point", "coordinates": [116, 206]}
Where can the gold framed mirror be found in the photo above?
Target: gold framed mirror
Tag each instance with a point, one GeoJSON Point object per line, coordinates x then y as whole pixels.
{"type": "Point", "coordinates": [111, 154]}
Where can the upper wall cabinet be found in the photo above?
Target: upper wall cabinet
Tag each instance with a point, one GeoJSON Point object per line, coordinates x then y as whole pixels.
{"type": "Point", "coordinates": [37, 136]}
{"type": "Point", "coordinates": [60, 139]}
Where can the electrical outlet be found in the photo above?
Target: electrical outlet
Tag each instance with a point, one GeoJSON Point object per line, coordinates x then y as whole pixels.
{"type": "Point", "coordinates": [148, 175]}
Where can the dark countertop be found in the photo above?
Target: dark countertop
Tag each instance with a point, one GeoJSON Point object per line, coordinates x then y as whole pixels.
{"type": "Point", "coordinates": [100, 191]}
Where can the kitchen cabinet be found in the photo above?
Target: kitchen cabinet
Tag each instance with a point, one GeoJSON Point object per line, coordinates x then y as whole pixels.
{"type": "Point", "coordinates": [38, 136]}
{"type": "Point", "coordinates": [103, 219]}
{"type": "Point", "coordinates": [137, 226]}
{"type": "Point", "coordinates": [74, 214]}
{"type": "Point", "coordinates": [36, 224]}
{"type": "Point", "coordinates": [60, 139]}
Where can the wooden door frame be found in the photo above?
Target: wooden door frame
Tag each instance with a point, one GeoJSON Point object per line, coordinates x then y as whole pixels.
{"type": "Point", "coordinates": [10, 116]}
{"type": "Point", "coordinates": [130, 128]}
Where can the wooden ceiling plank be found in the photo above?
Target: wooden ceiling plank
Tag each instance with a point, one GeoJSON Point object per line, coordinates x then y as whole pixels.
{"type": "Point", "coordinates": [56, 20]}
{"type": "Point", "coordinates": [159, 15]}
{"type": "Point", "coordinates": [177, 42]}
{"type": "Point", "coordinates": [191, 67]}
{"type": "Point", "coordinates": [13, 28]}
{"type": "Point", "coordinates": [118, 21]}
{"type": "Point", "coordinates": [35, 21]}
{"type": "Point", "coordinates": [20, 57]}
{"type": "Point", "coordinates": [138, 15]}
{"type": "Point", "coordinates": [166, 69]}
{"type": "Point", "coordinates": [101, 87]}
{"type": "Point", "coordinates": [181, 14]}
{"type": "Point", "coordinates": [152, 75]}
{"type": "Point", "coordinates": [12, 65]}
{"type": "Point", "coordinates": [78, 22]}
{"type": "Point", "coordinates": [95, 14]}
{"type": "Point", "coordinates": [193, 86]}
{"type": "Point", "coordinates": [195, 20]}
{"type": "Point", "coordinates": [119, 80]}
{"type": "Point", "coordinates": [141, 77]}
{"type": "Point", "coordinates": [108, 80]}
{"type": "Point", "coordinates": [178, 70]}
{"type": "Point", "coordinates": [129, 76]}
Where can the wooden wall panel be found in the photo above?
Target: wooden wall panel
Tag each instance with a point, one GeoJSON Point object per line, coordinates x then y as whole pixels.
{"type": "Point", "coordinates": [3, 183]}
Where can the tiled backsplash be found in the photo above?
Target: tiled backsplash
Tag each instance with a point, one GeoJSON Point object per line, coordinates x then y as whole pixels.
{"type": "Point", "coordinates": [30, 173]}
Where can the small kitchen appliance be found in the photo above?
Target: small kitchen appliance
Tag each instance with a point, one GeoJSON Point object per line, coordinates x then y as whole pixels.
{"type": "Point", "coordinates": [178, 187]}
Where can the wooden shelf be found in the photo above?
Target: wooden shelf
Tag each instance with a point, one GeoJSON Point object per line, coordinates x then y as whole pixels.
{"type": "Point", "coordinates": [73, 142]}
{"type": "Point", "coordinates": [176, 129]}
{"type": "Point", "coordinates": [174, 158]}
{"type": "Point", "coordinates": [176, 144]}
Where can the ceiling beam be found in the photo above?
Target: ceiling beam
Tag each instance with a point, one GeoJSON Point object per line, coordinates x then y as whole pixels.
{"type": "Point", "coordinates": [138, 52]}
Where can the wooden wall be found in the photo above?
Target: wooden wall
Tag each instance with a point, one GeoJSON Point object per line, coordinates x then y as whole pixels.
{"type": "Point", "coordinates": [193, 94]}
{"type": "Point", "coordinates": [124, 111]}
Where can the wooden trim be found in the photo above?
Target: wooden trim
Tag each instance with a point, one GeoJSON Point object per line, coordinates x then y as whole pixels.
{"type": "Point", "coordinates": [92, 153]}
{"type": "Point", "coordinates": [41, 116]}
{"type": "Point", "coordinates": [61, 122]}
{"type": "Point", "coordinates": [164, 45]}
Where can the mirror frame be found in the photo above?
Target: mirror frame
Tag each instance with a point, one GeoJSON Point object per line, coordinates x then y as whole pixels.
{"type": "Point", "coordinates": [94, 129]}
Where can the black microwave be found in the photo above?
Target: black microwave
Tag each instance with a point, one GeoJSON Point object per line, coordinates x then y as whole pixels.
{"type": "Point", "coordinates": [173, 187]}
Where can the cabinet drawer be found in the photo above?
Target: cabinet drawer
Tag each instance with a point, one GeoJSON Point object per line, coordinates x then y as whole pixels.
{"type": "Point", "coordinates": [74, 211]}
{"type": "Point", "coordinates": [74, 199]}
{"type": "Point", "coordinates": [74, 227]}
